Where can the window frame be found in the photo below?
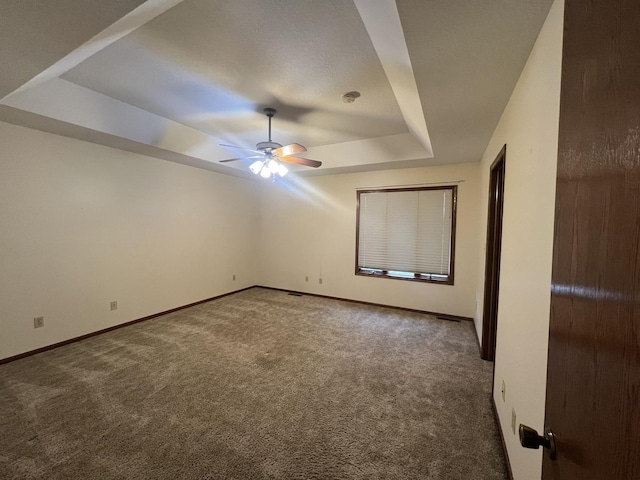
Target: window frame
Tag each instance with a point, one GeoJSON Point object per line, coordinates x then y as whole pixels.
{"type": "Point", "coordinates": [417, 277]}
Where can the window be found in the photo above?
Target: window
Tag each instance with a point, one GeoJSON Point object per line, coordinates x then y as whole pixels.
{"type": "Point", "coordinates": [407, 233]}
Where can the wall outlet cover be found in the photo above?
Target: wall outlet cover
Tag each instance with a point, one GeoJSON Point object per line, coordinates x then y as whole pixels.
{"type": "Point", "coordinates": [513, 420]}
{"type": "Point", "coordinates": [38, 322]}
{"type": "Point", "coordinates": [114, 305]}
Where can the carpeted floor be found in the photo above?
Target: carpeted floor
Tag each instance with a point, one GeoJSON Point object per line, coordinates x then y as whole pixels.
{"type": "Point", "coordinates": [256, 385]}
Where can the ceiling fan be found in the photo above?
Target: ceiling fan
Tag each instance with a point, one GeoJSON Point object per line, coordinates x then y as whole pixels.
{"type": "Point", "coordinates": [271, 154]}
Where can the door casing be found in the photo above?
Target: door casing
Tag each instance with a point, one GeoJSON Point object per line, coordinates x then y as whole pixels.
{"type": "Point", "coordinates": [492, 261]}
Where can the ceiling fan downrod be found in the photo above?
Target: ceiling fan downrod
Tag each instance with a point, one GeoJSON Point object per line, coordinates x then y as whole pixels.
{"type": "Point", "coordinates": [268, 146]}
{"type": "Point", "coordinates": [269, 112]}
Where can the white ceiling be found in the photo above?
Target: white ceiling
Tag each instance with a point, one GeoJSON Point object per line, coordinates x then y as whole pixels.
{"type": "Point", "coordinates": [195, 66]}
{"type": "Point", "coordinates": [173, 78]}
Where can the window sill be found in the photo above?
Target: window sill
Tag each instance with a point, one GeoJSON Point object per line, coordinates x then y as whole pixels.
{"type": "Point", "coordinates": [415, 278]}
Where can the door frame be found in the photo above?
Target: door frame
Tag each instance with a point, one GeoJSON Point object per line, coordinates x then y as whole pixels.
{"type": "Point", "coordinates": [492, 260]}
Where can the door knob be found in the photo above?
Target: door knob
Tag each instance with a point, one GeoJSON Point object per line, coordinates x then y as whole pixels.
{"type": "Point", "coordinates": [529, 438]}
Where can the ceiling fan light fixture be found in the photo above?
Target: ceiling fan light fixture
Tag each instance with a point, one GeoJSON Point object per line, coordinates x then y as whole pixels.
{"type": "Point", "coordinates": [256, 166]}
{"type": "Point", "coordinates": [265, 172]}
{"type": "Point", "coordinates": [282, 170]}
{"type": "Point", "coordinates": [273, 166]}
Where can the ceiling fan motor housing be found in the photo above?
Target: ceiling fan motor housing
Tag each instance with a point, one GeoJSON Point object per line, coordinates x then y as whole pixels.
{"type": "Point", "coordinates": [267, 147]}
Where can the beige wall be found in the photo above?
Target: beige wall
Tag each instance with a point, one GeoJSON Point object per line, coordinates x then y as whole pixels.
{"type": "Point", "coordinates": [82, 225]}
{"type": "Point", "coordinates": [309, 229]}
{"type": "Point", "coordinates": [529, 128]}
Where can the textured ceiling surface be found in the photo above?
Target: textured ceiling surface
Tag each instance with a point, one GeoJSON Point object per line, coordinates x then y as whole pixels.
{"type": "Point", "coordinates": [35, 34]}
{"type": "Point", "coordinates": [175, 78]}
{"type": "Point", "coordinates": [476, 51]}
{"type": "Point", "coordinates": [211, 64]}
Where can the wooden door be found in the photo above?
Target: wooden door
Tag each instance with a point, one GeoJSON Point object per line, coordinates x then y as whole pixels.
{"type": "Point", "coordinates": [593, 378]}
{"type": "Point", "coordinates": [492, 262]}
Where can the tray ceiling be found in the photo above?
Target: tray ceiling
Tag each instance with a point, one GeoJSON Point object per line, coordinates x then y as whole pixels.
{"type": "Point", "coordinates": [173, 79]}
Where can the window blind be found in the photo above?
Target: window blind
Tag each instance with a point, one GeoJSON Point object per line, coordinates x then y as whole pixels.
{"type": "Point", "coordinates": [406, 231]}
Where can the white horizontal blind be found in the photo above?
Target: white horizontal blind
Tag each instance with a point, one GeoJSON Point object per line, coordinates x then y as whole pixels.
{"type": "Point", "coordinates": [406, 231]}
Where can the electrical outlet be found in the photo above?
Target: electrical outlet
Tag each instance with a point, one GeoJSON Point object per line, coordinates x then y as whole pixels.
{"type": "Point", "coordinates": [38, 322]}
{"type": "Point", "coordinates": [114, 305]}
{"type": "Point", "coordinates": [306, 279]}
{"type": "Point", "coordinates": [504, 391]}
{"type": "Point", "coordinates": [234, 277]}
{"type": "Point", "coordinates": [320, 281]}
{"type": "Point", "coordinates": [513, 420]}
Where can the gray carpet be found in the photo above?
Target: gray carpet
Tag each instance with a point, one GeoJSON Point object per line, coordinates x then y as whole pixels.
{"type": "Point", "coordinates": [256, 385]}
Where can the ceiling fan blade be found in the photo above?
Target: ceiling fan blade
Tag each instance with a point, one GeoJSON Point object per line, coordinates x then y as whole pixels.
{"type": "Point", "coordinates": [291, 149]}
{"type": "Point", "coordinates": [302, 161]}
{"type": "Point", "coordinates": [240, 148]}
{"type": "Point", "coordinates": [244, 158]}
